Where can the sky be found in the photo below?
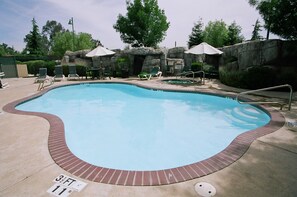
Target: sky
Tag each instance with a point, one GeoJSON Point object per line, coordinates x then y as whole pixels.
{"type": "Point", "coordinates": [97, 17]}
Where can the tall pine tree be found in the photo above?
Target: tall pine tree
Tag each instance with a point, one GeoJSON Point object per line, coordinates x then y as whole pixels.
{"type": "Point", "coordinates": [234, 34]}
{"type": "Point", "coordinates": [196, 37]}
{"type": "Point", "coordinates": [256, 32]}
{"type": "Point", "coordinates": [33, 41]}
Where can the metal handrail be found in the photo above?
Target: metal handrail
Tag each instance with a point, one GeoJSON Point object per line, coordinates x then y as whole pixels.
{"type": "Point", "coordinates": [266, 102]}
{"type": "Point", "coordinates": [193, 74]}
{"type": "Point", "coordinates": [203, 75]}
{"type": "Point", "coordinates": [185, 73]}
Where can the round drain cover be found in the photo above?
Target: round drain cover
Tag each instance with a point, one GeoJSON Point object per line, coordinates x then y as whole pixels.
{"type": "Point", "coordinates": [205, 189]}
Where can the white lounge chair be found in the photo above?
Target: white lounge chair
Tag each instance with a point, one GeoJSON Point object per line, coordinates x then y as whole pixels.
{"type": "Point", "coordinates": [43, 78]}
{"type": "Point", "coordinates": [3, 85]}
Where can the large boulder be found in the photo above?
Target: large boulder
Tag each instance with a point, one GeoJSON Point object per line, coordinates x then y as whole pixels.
{"type": "Point", "coordinates": [176, 52]}
{"type": "Point", "coordinates": [144, 51]}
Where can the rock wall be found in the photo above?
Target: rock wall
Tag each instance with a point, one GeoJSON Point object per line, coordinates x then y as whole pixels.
{"type": "Point", "coordinates": [151, 58]}
{"type": "Point", "coordinates": [256, 53]}
{"type": "Point", "coordinates": [77, 57]}
{"type": "Point", "coordinates": [275, 53]}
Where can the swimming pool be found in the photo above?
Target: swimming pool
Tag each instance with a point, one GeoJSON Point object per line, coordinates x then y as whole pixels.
{"type": "Point", "coordinates": [178, 141]}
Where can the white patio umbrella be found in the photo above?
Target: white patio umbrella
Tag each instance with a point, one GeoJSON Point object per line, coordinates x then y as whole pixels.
{"type": "Point", "coordinates": [99, 51]}
{"type": "Point", "coordinates": [204, 48]}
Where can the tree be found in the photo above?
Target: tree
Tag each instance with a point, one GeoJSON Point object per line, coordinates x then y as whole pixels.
{"type": "Point", "coordinates": [6, 50]}
{"type": "Point", "coordinates": [63, 41]}
{"type": "Point", "coordinates": [256, 32]}
{"type": "Point", "coordinates": [196, 37]}
{"type": "Point", "coordinates": [145, 24]}
{"type": "Point", "coordinates": [84, 41]}
{"type": "Point", "coordinates": [33, 41]}
{"type": "Point", "coordinates": [279, 16]}
{"type": "Point", "coordinates": [216, 33]}
{"type": "Point", "coordinates": [49, 31]}
{"type": "Point", "coordinates": [234, 34]}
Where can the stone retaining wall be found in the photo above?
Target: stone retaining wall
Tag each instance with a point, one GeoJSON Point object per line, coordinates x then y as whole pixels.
{"type": "Point", "coordinates": [277, 53]}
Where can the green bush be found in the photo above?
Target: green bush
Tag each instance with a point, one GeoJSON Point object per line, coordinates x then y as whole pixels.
{"type": "Point", "coordinates": [210, 71]}
{"type": "Point", "coordinates": [196, 66]}
{"type": "Point", "coordinates": [256, 77]}
{"type": "Point", "coordinates": [81, 70]}
{"type": "Point", "coordinates": [50, 65]}
{"type": "Point", "coordinates": [231, 78]}
{"type": "Point", "coordinates": [259, 77]}
{"type": "Point", "coordinates": [34, 65]}
{"type": "Point", "coordinates": [288, 76]}
{"type": "Point", "coordinates": [123, 62]}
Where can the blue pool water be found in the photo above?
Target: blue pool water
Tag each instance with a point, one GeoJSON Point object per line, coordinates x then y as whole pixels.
{"type": "Point", "coordinates": [125, 127]}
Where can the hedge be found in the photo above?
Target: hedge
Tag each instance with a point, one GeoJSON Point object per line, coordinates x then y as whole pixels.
{"type": "Point", "coordinates": [257, 77]}
{"type": "Point", "coordinates": [34, 65]}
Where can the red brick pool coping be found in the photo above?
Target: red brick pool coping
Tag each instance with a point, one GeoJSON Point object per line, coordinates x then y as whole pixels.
{"type": "Point", "coordinates": [63, 157]}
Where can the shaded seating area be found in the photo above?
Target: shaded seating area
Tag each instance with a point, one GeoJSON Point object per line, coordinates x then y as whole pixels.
{"type": "Point", "coordinates": [96, 72]}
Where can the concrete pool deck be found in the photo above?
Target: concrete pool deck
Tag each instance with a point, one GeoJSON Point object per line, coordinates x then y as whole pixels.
{"type": "Point", "coordinates": [268, 168]}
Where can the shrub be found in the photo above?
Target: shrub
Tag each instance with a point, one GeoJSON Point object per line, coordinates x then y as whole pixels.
{"type": "Point", "coordinates": [196, 66]}
{"type": "Point", "coordinates": [253, 78]}
{"type": "Point", "coordinates": [210, 71]}
{"type": "Point", "coordinates": [259, 77]}
{"type": "Point", "coordinates": [50, 65]}
{"type": "Point", "coordinates": [287, 76]}
{"type": "Point", "coordinates": [81, 70]}
{"type": "Point", "coordinates": [34, 65]}
{"type": "Point", "coordinates": [231, 78]}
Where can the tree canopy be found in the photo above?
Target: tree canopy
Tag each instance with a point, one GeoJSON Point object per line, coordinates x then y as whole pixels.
{"type": "Point", "coordinates": [145, 24]}
{"type": "Point", "coordinates": [55, 40]}
{"type": "Point", "coordinates": [234, 34]}
{"type": "Point", "coordinates": [50, 30]}
{"type": "Point", "coordinates": [63, 41]}
{"type": "Point", "coordinates": [279, 16]}
{"type": "Point", "coordinates": [256, 32]}
{"type": "Point", "coordinates": [7, 50]}
{"type": "Point", "coordinates": [216, 33]}
{"type": "Point", "coordinates": [33, 41]}
{"type": "Point", "coordinates": [196, 37]}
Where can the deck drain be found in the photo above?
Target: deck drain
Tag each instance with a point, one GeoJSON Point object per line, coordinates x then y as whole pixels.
{"type": "Point", "coordinates": [205, 189]}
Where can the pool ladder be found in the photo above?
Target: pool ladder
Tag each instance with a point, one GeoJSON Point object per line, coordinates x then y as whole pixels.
{"type": "Point", "coordinates": [267, 102]}
{"type": "Point", "coordinates": [193, 75]}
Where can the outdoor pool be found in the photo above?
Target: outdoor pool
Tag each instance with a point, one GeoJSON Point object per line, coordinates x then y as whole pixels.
{"type": "Point", "coordinates": [125, 127]}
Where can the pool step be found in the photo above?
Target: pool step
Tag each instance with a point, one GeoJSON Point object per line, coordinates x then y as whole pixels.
{"type": "Point", "coordinates": [246, 114]}
{"type": "Point", "coordinates": [237, 120]}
